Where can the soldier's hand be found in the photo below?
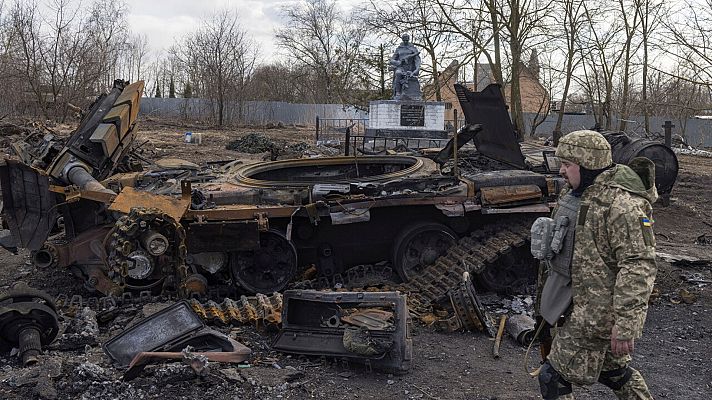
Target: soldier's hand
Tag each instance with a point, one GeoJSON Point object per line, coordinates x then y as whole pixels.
{"type": "Point", "coordinates": [620, 347]}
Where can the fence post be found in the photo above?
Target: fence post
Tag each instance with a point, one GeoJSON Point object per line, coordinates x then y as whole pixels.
{"type": "Point", "coordinates": [454, 113]}
{"type": "Point", "coordinates": [668, 133]}
{"type": "Point", "coordinates": [317, 128]}
{"type": "Point", "coordinates": [665, 198]}
{"type": "Point", "coordinates": [348, 141]}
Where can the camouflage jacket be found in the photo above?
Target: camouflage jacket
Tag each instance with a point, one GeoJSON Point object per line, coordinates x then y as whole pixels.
{"type": "Point", "coordinates": [613, 266]}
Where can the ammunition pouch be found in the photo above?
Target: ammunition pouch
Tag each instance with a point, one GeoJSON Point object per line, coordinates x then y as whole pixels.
{"type": "Point", "coordinates": [561, 229]}
{"type": "Point", "coordinates": [542, 234]}
{"type": "Point", "coordinates": [562, 241]}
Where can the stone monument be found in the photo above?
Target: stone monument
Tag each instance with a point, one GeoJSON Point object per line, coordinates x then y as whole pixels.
{"type": "Point", "coordinates": [406, 114]}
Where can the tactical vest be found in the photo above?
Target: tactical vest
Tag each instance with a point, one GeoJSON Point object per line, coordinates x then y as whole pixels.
{"type": "Point", "coordinates": [552, 239]}
{"type": "Point", "coordinates": [562, 242]}
{"type": "Point", "coordinates": [553, 243]}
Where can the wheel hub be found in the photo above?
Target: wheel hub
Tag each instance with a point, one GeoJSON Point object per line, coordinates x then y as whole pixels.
{"type": "Point", "coordinates": [421, 245]}
{"type": "Point", "coordinates": [267, 269]}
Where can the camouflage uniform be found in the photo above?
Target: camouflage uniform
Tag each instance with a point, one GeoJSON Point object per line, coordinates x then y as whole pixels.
{"type": "Point", "coordinates": [612, 270]}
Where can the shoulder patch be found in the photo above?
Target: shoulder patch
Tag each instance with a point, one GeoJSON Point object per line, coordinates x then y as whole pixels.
{"type": "Point", "coordinates": [646, 225]}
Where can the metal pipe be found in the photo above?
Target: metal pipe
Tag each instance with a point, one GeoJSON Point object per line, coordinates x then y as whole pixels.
{"type": "Point", "coordinates": [79, 176]}
{"type": "Point", "coordinates": [44, 258]}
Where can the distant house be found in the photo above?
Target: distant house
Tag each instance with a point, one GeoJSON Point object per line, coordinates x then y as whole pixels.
{"type": "Point", "coordinates": [447, 81]}
{"type": "Point", "coordinates": [535, 98]}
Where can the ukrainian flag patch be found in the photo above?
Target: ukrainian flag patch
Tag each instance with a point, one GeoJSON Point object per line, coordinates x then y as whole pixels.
{"type": "Point", "coordinates": [647, 222]}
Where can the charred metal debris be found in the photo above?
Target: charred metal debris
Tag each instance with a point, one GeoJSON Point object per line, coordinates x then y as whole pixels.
{"type": "Point", "coordinates": [365, 243]}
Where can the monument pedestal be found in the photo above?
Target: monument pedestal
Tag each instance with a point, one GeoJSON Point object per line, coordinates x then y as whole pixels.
{"type": "Point", "coordinates": [407, 118]}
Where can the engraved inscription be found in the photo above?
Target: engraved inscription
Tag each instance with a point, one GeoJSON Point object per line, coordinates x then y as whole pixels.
{"type": "Point", "coordinates": [412, 115]}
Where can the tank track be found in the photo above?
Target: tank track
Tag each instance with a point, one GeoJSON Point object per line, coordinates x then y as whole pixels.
{"type": "Point", "coordinates": [471, 254]}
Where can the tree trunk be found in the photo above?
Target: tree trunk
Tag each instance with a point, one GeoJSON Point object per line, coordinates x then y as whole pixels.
{"type": "Point", "coordinates": [516, 98]}
{"type": "Point", "coordinates": [562, 106]}
{"type": "Point", "coordinates": [382, 68]}
{"type": "Point", "coordinates": [497, 68]}
{"type": "Point", "coordinates": [516, 50]}
{"type": "Point", "coordinates": [436, 78]}
{"type": "Point", "coordinates": [623, 118]}
{"type": "Point", "coordinates": [646, 114]}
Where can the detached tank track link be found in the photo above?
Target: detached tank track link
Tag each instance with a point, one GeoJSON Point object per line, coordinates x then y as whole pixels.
{"type": "Point", "coordinates": [260, 310]}
{"type": "Point", "coordinates": [471, 254]}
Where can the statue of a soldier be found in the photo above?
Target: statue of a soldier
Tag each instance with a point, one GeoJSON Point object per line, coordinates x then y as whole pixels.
{"type": "Point", "coordinates": [405, 63]}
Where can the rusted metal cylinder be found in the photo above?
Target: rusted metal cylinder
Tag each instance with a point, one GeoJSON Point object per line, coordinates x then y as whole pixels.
{"type": "Point", "coordinates": [521, 328]}
{"type": "Point", "coordinates": [30, 345]}
{"type": "Point", "coordinates": [626, 148]}
{"type": "Point", "coordinates": [155, 243]}
{"type": "Point", "coordinates": [44, 257]}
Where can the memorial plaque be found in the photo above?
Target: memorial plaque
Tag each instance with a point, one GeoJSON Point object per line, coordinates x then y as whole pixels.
{"type": "Point", "coordinates": [412, 115]}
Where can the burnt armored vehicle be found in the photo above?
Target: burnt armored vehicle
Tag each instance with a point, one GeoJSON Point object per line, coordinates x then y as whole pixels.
{"type": "Point", "coordinates": [88, 206]}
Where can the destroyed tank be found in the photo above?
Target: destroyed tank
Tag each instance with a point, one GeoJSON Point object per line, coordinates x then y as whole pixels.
{"type": "Point", "coordinates": [87, 206]}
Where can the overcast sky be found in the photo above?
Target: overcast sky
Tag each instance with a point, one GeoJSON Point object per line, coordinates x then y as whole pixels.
{"type": "Point", "coordinates": [164, 20]}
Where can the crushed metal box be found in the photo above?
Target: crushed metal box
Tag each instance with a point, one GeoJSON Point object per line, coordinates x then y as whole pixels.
{"type": "Point", "coordinates": [171, 329]}
{"type": "Point", "coordinates": [366, 327]}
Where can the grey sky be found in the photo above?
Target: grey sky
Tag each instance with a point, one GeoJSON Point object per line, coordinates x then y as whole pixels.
{"type": "Point", "coordinates": [164, 20]}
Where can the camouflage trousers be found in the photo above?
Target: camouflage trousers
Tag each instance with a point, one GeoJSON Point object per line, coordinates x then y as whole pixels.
{"type": "Point", "coordinates": [582, 361]}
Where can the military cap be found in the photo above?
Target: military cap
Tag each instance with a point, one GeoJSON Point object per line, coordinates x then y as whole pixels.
{"type": "Point", "coordinates": [588, 149]}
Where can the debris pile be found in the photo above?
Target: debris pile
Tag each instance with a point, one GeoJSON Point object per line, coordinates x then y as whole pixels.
{"type": "Point", "coordinates": [81, 331]}
{"type": "Point", "coordinates": [253, 143]}
{"type": "Point", "coordinates": [691, 151]}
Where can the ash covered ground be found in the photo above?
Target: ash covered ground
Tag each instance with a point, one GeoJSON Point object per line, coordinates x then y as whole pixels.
{"type": "Point", "coordinates": [675, 354]}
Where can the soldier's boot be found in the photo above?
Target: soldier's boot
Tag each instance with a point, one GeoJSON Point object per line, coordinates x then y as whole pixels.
{"type": "Point", "coordinates": [627, 383]}
{"type": "Point", "coordinates": [553, 386]}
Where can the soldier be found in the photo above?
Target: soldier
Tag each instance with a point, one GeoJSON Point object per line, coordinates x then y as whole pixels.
{"type": "Point", "coordinates": [599, 252]}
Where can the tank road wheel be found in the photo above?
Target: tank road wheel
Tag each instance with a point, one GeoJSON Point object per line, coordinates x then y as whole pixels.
{"type": "Point", "coordinates": [419, 245]}
{"type": "Point", "coordinates": [267, 269]}
{"type": "Point", "coordinates": [511, 273]}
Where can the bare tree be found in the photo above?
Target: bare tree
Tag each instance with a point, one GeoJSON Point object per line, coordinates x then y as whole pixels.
{"type": "Point", "coordinates": [649, 13]}
{"type": "Point", "coordinates": [688, 40]}
{"type": "Point", "coordinates": [523, 23]}
{"type": "Point", "coordinates": [571, 14]}
{"type": "Point", "coordinates": [318, 37]}
{"type": "Point", "coordinates": [476, 22]}
{"type": "Point", "coordinates": [64, 54]}
{"type": "Point", "coordinates": [220, 56]}
{"type": "Point", "coordinates": [133, 57]}
{"type": "Point", "coordinates": [630, 27]}
{"type": "Point", "coordinates": [603, 54]}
